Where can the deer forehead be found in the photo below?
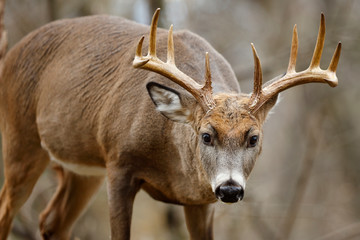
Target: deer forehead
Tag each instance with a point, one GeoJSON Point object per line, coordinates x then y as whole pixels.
{"type": "Point", "coordinates": [231, 118]}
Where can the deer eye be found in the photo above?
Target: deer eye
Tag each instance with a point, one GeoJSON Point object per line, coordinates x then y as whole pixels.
{"type": "Point", "coordinates": [206, 138]}
{"type": "Point", "coordinates": [253, 141]}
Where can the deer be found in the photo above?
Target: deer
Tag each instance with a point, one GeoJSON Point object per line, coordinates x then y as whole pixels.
{"type": "Point", "coordinates": [80, 93]}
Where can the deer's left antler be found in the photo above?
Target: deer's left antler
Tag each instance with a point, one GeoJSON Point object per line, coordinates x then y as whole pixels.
{"type": "Point", "coordinates": [202, 93]}
{"type": "Point", "coordinates": [292, 78]}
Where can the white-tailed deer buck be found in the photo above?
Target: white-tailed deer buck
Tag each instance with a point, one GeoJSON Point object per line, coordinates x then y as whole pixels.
{"type": "Point", "coordinates": [72, 92]}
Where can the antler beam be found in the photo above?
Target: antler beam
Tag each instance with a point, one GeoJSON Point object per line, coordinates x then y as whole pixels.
{"type": "Point", "coordinates": [203, 94]}
{"type": "Point", "coordinates": [292, 78]}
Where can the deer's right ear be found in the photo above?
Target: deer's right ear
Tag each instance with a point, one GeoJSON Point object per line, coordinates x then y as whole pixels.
{"type": "Point", "coordinates": [173, 105]}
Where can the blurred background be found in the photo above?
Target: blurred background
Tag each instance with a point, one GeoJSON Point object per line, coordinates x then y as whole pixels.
{"type": "Point", "coordinates": [306, 183]}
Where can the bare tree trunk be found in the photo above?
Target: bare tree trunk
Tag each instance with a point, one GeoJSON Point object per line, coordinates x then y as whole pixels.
{"type": "Point", "coordinates": [52, 9]}
{"type": "Point", "coordinates": [314, 139]}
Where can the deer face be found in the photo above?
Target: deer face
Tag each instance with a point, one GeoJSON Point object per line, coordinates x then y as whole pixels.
{"type": "Point", "coordinates": [230, 142]}
{"type": "Point", "coordinates": [228, 126]}
{"type": "Point", "coordinates": [229, 136]}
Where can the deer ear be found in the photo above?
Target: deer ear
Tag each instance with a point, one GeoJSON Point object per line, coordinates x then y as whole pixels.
{"type": "Point", "coordinates": [173, 105]}
{"type": "Point", "coordinates": [262, 113]}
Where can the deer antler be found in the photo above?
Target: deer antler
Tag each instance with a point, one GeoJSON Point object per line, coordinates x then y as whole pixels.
{"type": "Point", "coordinates": [203, 94]}
{"type": "Point", "coordinates": [292, 78]}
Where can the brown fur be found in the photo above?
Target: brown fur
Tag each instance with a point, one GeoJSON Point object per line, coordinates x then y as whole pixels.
{"type": "Point", "coordinates": [69, 93]}
{"type": "Point", "coordinates": [69, 88]}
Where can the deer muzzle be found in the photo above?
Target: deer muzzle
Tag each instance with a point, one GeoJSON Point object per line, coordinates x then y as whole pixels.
{"type": "Point", "coordinates": [229, 192]}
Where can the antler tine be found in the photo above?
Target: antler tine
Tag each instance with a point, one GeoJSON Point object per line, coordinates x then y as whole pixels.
{"type": "Point", "coordinates": [315, 61]}
{"type": "Point", "coordinates": [203, 94]}
{"type": "Point", "coordinates": [139, 47]}
{"type": "Point", "coordinates": [207, 84]}
{"type": "Point", "coordinates": [257, 78]}
{"type": "Point", "coordinates": [139, 60]}
{"type": "Point", "coordinates": [293, 51]}
{"type": "Point", "coordinates": [292, 78]}
{"type": "Point", "coordinates": [335, 58]}
{"type": "Point", "coordinates": [170, 50]}
{"type": "Point", "coordinates": [153, 28]}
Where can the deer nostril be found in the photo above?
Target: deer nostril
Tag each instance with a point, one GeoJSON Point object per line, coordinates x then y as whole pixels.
{"type": "Point", "coordinates": [229, 193]}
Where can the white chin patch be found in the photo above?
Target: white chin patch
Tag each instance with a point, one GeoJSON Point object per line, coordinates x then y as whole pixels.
{"type": "Point", "coordinates": [224, 177]}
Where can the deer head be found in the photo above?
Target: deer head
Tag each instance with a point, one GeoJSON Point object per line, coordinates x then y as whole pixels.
{"type": "Point", "coordinates": [228, 126]}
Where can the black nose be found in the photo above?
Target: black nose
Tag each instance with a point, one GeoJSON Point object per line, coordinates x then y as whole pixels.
{"type": "Point", "coordinates": [229, 192]}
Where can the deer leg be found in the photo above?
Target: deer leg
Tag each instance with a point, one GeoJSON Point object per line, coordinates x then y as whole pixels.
{"type": "Point", "coordinates": [24, 161]}
{"type": "Point", "coordinates": [199, 221]}
{"type": "Point", "coordinates": [122, 188]}
{"type": "Point", "coordinates": [70, 199]}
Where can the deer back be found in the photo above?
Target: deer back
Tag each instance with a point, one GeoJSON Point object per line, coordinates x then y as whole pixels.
{"type": "Point", "coordinates": [72, 85]}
